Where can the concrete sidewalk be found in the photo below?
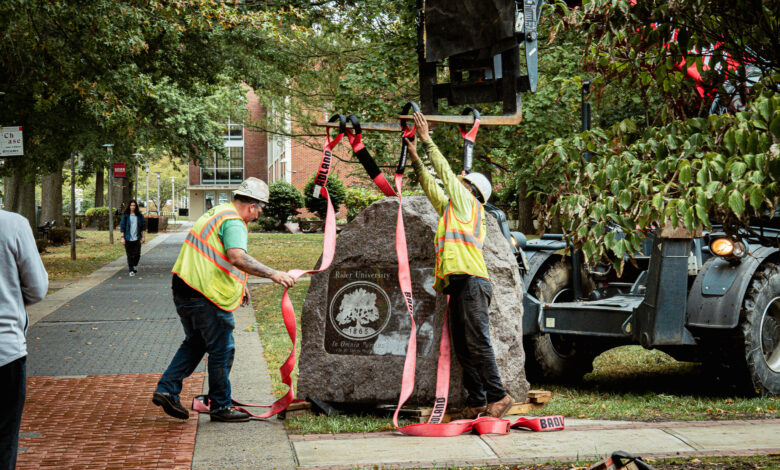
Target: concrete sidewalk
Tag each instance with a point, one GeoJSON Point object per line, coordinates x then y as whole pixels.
{"type": "Point", "coordinates": [98, 346]}
{"type": "Point", "coordinates": [582, 440]}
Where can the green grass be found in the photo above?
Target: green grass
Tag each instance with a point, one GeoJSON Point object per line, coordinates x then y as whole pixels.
{"type": "Point", "coordinates": [266, 299]}
{"type": "Point", "coordinates": [92, 252]}
{"type": "Point", "coordinates": [286, 251]}
{"type": "Point", "coordinates": [628, 383]}
{"type": "Point", "coordinates": [631, 383]}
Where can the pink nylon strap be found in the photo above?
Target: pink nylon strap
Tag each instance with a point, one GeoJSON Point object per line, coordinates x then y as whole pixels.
{"type": "Point", "coordinates": [288, 312]}
{"type": "Point", "coordinates": [434, 427]}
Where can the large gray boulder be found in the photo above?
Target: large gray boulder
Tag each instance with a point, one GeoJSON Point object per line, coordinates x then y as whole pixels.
{"type": "Point", "coordinates": [355, 323]}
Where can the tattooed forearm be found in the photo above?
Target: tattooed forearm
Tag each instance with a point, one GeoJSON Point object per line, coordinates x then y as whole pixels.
{"type": "Point", "coordinates": [251, 266]}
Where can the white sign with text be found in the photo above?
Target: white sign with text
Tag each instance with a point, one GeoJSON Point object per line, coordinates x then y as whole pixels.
{"type": "Point", "coordinates": [11, 141]}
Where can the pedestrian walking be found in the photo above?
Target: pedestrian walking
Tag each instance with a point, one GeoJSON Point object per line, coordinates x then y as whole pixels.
{"type": "Point", "coordinates": [461, 273]}
{"type": "Point", "coordinates": [209, 283]}
{"type": "Point", "coordinates": [23, 281]}
{"type": "Point", "coordinates": [133, 228]}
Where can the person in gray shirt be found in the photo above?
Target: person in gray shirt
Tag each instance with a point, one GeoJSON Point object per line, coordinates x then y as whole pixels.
{"type": "Point", "coordinates": [23, 281]}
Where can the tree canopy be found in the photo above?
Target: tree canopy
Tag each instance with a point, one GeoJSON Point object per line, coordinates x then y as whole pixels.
{"type": "Point", "coordinates": [688, 167]}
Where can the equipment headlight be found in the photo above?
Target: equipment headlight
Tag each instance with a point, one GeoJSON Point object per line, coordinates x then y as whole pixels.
{"type": "Point", "coordinates": [728, 248]}
{"type": "Point", "coordinates": [513, 240]}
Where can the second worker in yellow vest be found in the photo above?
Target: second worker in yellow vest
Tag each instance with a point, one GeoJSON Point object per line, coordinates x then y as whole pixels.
{"type": "Point", "coordinates": [461, 273]}
{"type": "Point", "coordinates": [209, 282]}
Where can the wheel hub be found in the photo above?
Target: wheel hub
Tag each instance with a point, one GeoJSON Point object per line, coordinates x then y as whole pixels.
{"type": "Point", "coordinates": [770, 334]}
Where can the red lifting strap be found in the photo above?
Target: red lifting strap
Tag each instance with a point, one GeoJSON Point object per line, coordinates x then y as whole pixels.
{"type": "Point", "coordinates": [288, 312]}
{"type": "Point", "coordinates": [434, 427]}
{"type": "Point", "coordinates": [356, 140]}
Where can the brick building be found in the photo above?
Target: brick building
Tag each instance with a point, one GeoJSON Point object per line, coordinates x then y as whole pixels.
{"type": "Point", "coordinates": [259, 154]}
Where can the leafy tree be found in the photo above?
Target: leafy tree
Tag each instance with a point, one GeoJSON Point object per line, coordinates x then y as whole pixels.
{"type": "Point", "coordinates": [319, 205]}
{"type": "Point", "coordinates": [284, 201]}
{"type": "Point", "coordinates": [687, 169]}
{"type": "Point", "coordinates": [158, 75]}
{"type": "Point", "coordinates": [359, 198]}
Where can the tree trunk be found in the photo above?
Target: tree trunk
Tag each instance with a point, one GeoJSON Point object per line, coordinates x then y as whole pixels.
{"type": "Point", "coordinates": [99, 188]}
{"type": "Point", "coordinates": [10, 193]}
{"type": "Point", "coordinates": [20, 197]}
{"type": "Point", "coordinates": [51, 197]}
{"type": "Point", "coordinates": [525, 205]}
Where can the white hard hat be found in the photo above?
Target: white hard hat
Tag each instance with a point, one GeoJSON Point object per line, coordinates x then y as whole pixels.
{"type": "Point", "coordinates": [254, 188]}
{"type": "Point", "coordinates": [481, 183]}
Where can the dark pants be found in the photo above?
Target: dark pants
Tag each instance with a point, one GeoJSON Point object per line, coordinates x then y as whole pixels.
{"type": "Point", "coordinates": [12, 393]}
{"type": "Point", "coordinates": [207, 329]}
{"type": "Point", "coordinates": [470, 330]}
{"type": "Point", "coordinates": [133, 250]}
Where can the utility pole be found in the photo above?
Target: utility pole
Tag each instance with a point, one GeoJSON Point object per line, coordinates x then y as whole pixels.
{"type": "Point", "coordinates": [146, 202]}
{"type": "Point", "coordinates": [173, 195]}
{"type": "Point", "coordinates": [73, 205]}
{"type": "Point", "coordinates": [137, 156]}
{"type": "Point", "coordinates": [110, 150]}
{"type": "Point", "coordinates": [158, 191]}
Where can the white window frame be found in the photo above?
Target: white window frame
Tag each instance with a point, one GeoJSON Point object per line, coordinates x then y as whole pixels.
{"type": "Point", "coordinates": [229, 142]}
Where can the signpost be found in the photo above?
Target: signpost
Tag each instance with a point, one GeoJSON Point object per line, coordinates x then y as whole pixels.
{"type": "Point", "coordinates": [11, 141]}
{"type": "Point", "coordinates": [120, 170]}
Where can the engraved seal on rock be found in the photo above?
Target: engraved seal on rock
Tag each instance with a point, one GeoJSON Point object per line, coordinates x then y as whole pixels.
{"type": "Point", "coordinates": [360, 310]}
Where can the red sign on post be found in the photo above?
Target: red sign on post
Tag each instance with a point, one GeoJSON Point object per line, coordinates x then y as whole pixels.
{"type": "Point", "coordinates": [120, 170]}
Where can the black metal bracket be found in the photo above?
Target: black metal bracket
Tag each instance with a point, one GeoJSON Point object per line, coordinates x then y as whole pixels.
{"type": "Point", "coordinates": [489, 74]}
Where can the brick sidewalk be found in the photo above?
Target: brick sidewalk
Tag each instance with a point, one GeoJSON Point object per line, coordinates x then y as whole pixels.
{"type": "Point", "coordinates": [102, 422]}
{"type": "Point", "coordinates": [92, 366]}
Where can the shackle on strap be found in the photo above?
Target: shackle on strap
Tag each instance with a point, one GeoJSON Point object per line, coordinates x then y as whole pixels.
{"type": "Point", "coordinates": [406, 133]}
{"type": "Point", "coordinates": [468, 139]}
{"type": "Point", "coordinates": [342, 129]}
{"type": "Point", "coordinates": [356, 134]}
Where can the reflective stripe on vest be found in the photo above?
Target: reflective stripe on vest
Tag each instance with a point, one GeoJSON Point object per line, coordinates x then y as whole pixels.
{"type": "Point", "coordinates": [459, 245]}
{"type": "Point", "coordinates": [215, 257]}
{"type": "Point", "coordinates": [461, 236]}
{"type": "Point", "coordinates": [203, 263]}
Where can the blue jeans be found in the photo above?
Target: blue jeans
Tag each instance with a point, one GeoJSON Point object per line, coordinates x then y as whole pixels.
{"type": "Point", "coordinates": [12, 394]}
{"type": "Point", "coordinates": [207, 329]}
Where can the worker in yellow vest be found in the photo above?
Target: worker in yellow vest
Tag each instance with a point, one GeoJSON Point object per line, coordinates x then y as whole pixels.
{"type": "Point", "coordinates": [209, 283]}
{"type": "Point", "coordinates": [461, 273]}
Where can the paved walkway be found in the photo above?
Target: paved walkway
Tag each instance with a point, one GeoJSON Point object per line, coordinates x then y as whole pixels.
{"type": "Point", "coordinates": [98, 346]}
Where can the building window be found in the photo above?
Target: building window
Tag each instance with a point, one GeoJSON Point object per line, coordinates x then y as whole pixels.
{"type": "Point", "coordinates": [222, 197]}
{"type": "Point", "coordinates": [209, 200]}
{"type": "Point", "coordinates": [228, 168]}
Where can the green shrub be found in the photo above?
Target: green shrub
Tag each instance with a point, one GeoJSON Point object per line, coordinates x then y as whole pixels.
{"type": "Point", "coordinates": [359, 198]}
{"type": "Point", "coordinates": [97, 217]}
{"type": "Point", "coordinates": [319, 205]}
{"type": "Point", "coordinates": [59, 235]}
{"type": "Point", "coordinates": [284, 201]}
{"type": "Point", "coordinates": [263, 224]}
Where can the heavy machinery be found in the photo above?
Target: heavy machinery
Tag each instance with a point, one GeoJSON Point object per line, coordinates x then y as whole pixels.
{"type": "Point", "coordinates": [703, 297]}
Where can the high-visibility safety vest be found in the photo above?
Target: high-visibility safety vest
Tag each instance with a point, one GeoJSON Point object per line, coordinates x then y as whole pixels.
{"type": "Point", "coordinates": [203, 263]}
{"type": "Point", "coordinates": [459, 245]}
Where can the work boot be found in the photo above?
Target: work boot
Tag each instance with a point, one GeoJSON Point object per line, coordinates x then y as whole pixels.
{"type": "Point", "coordinates": [170, 405]}
{"type": "Point", "coordinates": [473, 412]}
{"type": "Point", "coordinates": [229, 414]}
{"type": "Point", "coordinates": [499, 408]}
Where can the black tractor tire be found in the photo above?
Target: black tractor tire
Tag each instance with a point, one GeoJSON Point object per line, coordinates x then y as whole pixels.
{"type": "Point", "coordinates": [747, 361]}
{"type": "Point", "coordinates": [552, 357]}
{"type": "Point", "coordinates": [760, 328]}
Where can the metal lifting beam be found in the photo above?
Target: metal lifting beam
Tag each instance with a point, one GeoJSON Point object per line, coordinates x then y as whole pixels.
{"type": "Point", "coordinates": [506, 120]}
